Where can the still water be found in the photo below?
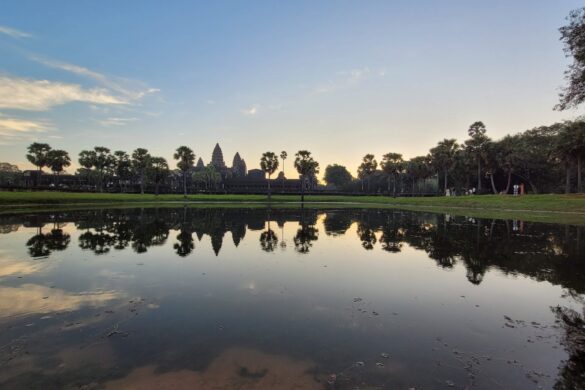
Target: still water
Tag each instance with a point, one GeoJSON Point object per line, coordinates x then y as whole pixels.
{"type": "Point", "coordinates": [223, 298]}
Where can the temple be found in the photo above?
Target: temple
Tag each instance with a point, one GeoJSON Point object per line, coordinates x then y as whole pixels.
{"type": "Point", "coordinates": [239, 179]}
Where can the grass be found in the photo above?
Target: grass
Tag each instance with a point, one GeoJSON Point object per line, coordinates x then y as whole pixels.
{"type": "Point", "coordinates": [543, 208]}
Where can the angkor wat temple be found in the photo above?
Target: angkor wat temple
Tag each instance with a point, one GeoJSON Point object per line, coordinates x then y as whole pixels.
{"type": "Point", "coordinates": [239, 179]}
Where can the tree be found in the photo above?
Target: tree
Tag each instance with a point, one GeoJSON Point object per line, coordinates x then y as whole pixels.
{"type": "Point", "coordinates": [367, 168]}
{"type": "Point", "coordinates": [393, 165]}
{"type": "Point", "coordinates": [305, 166]}
{"type": "Point", "coordinates": [283, 156]}
{"type": "Point", "coordinates": [58, 160]}
{"type": "Point", "coordinates": [212, 176]}
{"type": "Point", "coordinates": [186, 162]}
{"type": "Point", "coordinates": [506, 157]}
{"type": "Point", "coordinates": [38, 155]}
{"type": "Point", "coordinates": [122, 167]}
{"type": "Point", "coordinates": [443, 157]}
{"type": "Point", "coordinates": [571, 147]}
{"type": "Point", "coordinates": [140, 162]}
{"type": "Point", "coordinates": [99, 159]}
{"type": "Point", "coordinates": [418, 168]}
{"type": "Point", "coordinates": [573, 36]}
{"type": "Point", "coordinates": [337, 175]}
{"type": "Point", "coordinates": [476, 145]}
{"type": "Point", "coordinates": [158, 170]}
{"type": "Point", "coordinates": [269, 164]}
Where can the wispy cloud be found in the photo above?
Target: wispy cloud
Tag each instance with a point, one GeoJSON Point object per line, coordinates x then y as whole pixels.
{"type": "Point", "coordinates": [251, 111]}
{"type": "Point", "coordinates": [116, 121]}
{"type": "Point", "coordinates": [15, 129]}
{"type": "Point", "coordinates": [14, 33]}
{"type": "Point", "coordinates": [348, 79]}
{"type": "Point", "coordinates": [41, 95]}
{"type": "Point", "coordinates": [129, 89]}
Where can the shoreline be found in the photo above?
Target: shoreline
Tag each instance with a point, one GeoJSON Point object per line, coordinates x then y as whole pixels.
{"type": "Point", "coordinates": [564, 209]}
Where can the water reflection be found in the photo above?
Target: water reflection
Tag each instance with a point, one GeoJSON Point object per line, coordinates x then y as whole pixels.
{"type": "Point", "coordinates": [542, 251]}
{"type": "Point", "coordinates": [346, 294]}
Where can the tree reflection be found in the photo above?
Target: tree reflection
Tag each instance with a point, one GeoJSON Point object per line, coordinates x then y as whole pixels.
{"type": "Point", "coordinates": [572, 373]}
{"type": "Point", "coordinates": [367, 236]}
{"type": "Point", "coordinates": [185, 244]}
{"type": "Point", "coordinates": [43, 244]}
{"type": "Point", "coordinates": [306, 234]}
{"type": "Point", "coordinates": [543, 252]}
{"type": "Point", "coordinates": [268, 239]}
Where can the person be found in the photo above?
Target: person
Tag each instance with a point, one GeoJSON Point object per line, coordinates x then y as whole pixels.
{"type": "Point", "coordinates": [522, 189]}
{"type": "Point", "coordinates": [515, 189]}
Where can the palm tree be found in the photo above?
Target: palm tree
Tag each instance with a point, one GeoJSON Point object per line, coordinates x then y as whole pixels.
{"type": "Point", "coordinates": [444, 156]}
{"type": "Point", "coordinates": [393, 164]}
{"type": "Point", "coordinates": [418, 168]}
{"type": "Point", "coordinates": [58, 160]}
{"type": "Point", "coordinates": [186, 162]}
{"type": "Point", "coordinates": [269, 164]}
{"type": "Point", "coordinates": [476, 145]}
{"type": "Point", "coordinates": [283, 156]}
{"type": "Point", "coordinates": [140, 162]}
{"type": "Point", "coordinates": [305, 165]}
{"type": "Point", "coordinates": [100, 159]}
{"type": "Point", "coordinates": [38, 155]}
{"type": "Point", "coordinates": [122, 167]}
{"type": "Point", "coordinates": [158, 170]}
{"type": "Point", "coordinates": [367, 168]}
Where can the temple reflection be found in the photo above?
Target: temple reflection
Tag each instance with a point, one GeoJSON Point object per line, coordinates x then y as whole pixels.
{"type": "Point", "coordinates": [540, 251]}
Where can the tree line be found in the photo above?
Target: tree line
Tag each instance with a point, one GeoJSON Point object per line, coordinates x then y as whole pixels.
{"type": "Point", "coordinates": [103, 166]}
{"type": "Point", "coordinates": [545, 159]}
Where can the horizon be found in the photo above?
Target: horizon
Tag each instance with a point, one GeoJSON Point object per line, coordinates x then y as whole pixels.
{"type": "Point", "coordinates": [255, 77]}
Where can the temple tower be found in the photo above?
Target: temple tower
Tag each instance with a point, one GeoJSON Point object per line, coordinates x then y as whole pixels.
{"type": "Point", "coordinates": [217, 158]}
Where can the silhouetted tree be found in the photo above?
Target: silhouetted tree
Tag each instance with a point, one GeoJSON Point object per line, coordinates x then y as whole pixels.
{"type": "Point", "coordinates": [186, 161]}
{"type": "Point", "coordinates": [58, 160]}
{"type": "Point", "coordinates": [443, 156]}
{"type": "Point", "coordinates": [393, 165]}
{"type": "Point", "coordinates": [269, 165]}
{"type": "Point", "coordinates": [572, 36]}
{"type": "Point", "coordinates": [367, 168]}
{"type": "Point", "coordinates": [140, 163]}
{"type": "Point", "coordinates": [476, 145]}
{"type": "Point", "coordinates": [38, 155]}
{"type": "Point", "coordinates": [305, 166]}
{"type": "Point", "coordinates": [338, 175]}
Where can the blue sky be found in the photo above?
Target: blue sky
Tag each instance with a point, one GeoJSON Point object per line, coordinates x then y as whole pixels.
{"type": "Point", "coordinates": [340, 78]}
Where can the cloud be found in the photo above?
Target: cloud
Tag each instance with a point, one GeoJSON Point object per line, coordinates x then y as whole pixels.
{"type": "Point", "coordinates": [31, 299]}
{"type": "Point", "coordinates": [116, 121]}
{"type": "Point", "coordinates": [14, 33]}
{"type": "Point", "coordinates": [130, 89]}
{"type": "Point", "coordinates": [348, 79]}
{"type": "Point", "coordinates": [14, 125]}
{"type": "Point", "coordinates": [41, 95]}
{"type": "Point", "coordinates": [15, 129]}
{"type": "Point", "coordinates": [11, 266]}
{"type": "Point", "coordinates": [251, 111]}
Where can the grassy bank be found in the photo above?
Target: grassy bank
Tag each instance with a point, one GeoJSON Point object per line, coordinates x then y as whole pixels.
{"type": "Point", "coordinates": [545, 208]}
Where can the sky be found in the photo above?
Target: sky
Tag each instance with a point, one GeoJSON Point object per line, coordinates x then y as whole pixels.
{"type": "Point", "coordinates": [338, 78]}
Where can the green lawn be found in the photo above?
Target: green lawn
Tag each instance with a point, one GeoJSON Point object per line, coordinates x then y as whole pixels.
{"type": "Point", "coordinates": [561, 208]}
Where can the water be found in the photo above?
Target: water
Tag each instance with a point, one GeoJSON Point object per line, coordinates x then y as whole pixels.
{"type": "Point", "coordinates": [287, 298]}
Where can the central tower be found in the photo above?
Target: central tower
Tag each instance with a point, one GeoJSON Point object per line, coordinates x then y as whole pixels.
{"type": "Point", "coordinates": [217, 158]}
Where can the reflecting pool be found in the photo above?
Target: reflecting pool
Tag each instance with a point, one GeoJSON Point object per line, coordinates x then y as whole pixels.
{"type": "Point", "coordinates": [257, 298]}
